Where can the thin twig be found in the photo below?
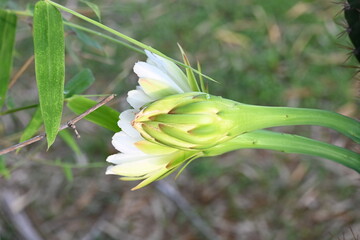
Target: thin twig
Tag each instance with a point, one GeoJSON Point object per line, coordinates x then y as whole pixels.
{"type": "Point", "coordinates": [68, 124]}
{"type": "Point", "coordinates": [21, 71]}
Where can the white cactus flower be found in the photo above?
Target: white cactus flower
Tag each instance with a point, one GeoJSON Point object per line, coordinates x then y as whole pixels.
{"type": "Point", "coordinates": [140, 159]}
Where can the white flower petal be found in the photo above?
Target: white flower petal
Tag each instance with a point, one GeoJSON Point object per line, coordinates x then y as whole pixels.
{"type": "Point", "coordinates": [138, 98]}
{"type": "Point", "coordinates": [124, 143]}
{"type": "Point", "coordinates": [156, 89]}
{"type": "Point", "coordinates": [120, 158]}
{"type": "Point", "coordinates": [146, 70]}
{"type": "Point", "coordinates": [108, 170]}
{"type": "Point", "coordinates": [170, 69]}
{"type": "Point", "coordinates": [125, 123]}
{"type": "Point", "coordinates": [139, 167]}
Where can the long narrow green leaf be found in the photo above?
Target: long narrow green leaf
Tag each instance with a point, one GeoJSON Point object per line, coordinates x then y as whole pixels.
{"type": "Point", "coordinates": [105, 116]}
{"type": "Point", "coordinates": [7, 41]}
{"type": "Point", "coordinates": [49, 65]}
{"type": "Point", "coordinates": [70, 141]}
{"type": "Point", "coordinates": [79, 83]}
{"type": "Point", "coordinates": [33, 127]}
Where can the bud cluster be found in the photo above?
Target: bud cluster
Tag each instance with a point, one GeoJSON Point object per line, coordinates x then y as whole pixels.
{"type": "Point", "coordinates": [189, 121]}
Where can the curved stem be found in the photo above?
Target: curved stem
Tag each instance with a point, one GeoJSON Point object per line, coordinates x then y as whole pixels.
{"type": "Point", "coordinates": [125, 37]}
{"type": "Point", "coordinates": [288, 143]}
{"type": "Point", "coordinates": [18, 109]}
{"type": "Point", "coordinates": [251, 117]}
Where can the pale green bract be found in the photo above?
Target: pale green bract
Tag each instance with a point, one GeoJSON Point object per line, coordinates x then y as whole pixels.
{"type": "Point", "coordinates": [141, 159]}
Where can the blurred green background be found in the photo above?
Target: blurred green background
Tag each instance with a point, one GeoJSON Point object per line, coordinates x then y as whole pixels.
{"type": "Point", "coordinates": [279, 53]}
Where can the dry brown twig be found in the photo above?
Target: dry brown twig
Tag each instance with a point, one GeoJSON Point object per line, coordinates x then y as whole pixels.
{"type": "Point", "coordinates": [69, 124]}
{"type": "Point", "coordinates": [21, 71]}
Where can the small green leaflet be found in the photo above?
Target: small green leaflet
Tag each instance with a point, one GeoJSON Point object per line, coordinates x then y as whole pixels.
{"type": "Point", "coordinates": [104, 116]}
{"type": "Point", "coordinates": [79, 83]}
{"type": "Point", "coordinates": [94, 7]}
{"type": "Point", "coordinates": [68, 173]}
{"type": "Point", "coordinates": [33, 127]}
{"type": "Point", "coordinates": [86, 39]}
{"type": "Point", "coordinates": [49, 50]}
{"type": "Point", "coordinates": [7, 41]}
{"type": "Point", "coordinates": [70, 141]}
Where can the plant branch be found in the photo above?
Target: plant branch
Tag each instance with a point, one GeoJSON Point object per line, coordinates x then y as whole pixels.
{"type": "Point", "coordinates": [68, 124]}
{"type": "Point", "coordinates": [21, 71]}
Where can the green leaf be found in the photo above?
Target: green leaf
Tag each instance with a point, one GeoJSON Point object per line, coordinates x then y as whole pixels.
{"type": "Point", "coordinates": [7, 41]}
{"type": "Point", "coordinates": [49, 65]}
{"type": "Point", "coordinates": [70, 141]}
{"type": "Point", "coordinates": [104, 116]}
{"type": "Point", "coordinates": [68, 173]}
{"type": "Point", "coordinates": [33, 126]}
{"type": "Point", "coordinates": [79, 83]}
{"type": "Point", "coordinates": [86, 39]}
{"type": "Point", "coordinates": [94, 7]}
{"type": "Point", "coordinates": [4, 171]}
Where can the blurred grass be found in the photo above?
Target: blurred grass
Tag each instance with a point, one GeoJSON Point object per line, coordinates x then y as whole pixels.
{"type": "Point", "coordinates": [282, 53]}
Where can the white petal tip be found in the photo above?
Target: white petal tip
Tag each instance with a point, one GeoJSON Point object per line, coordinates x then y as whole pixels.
{"type": "Point", "coordinates": [109, 171]}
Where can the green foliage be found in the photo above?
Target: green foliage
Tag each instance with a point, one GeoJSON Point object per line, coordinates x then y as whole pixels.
{"type": "Point", "coordinates": [352, 16]}
{"type": "Point", "coordinates": [94, 7]}
{"type": "Point", "coordinates": [104, 116]}
{"type": "Point", "coordinates": [3, 3]}
{"type": "Point", "coordinates": [70, 141]}
{"type": "Point", "coordinates": [49, 51]}
{"type": "Point", "coordinates": [4, 171]}
{"type": "Point", "coordinates": [86, 39]}
{"type": "Point", "coordinates": [79, 83]}
{"type": "Point", "coordinates": [67, 169]}
{"type": "Point", "coordinates": [8, 22]}
{"type": "Point", "coordinates": [33, 127]}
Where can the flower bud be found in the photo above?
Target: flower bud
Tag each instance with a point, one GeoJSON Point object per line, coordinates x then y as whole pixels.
{"type": "Point", "coordinates": [189, 121]}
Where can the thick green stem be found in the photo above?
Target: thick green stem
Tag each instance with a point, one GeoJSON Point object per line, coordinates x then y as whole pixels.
{"type": "Point", "coordinates": [252, 117]}
{"type": "Point", "coordinates": [288, 143]}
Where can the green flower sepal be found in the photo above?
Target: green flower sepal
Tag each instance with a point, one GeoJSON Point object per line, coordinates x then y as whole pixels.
{"type": "Point", "coordinates": [189, 121]}
{"type": "Point", "coordinates": [198, 121]}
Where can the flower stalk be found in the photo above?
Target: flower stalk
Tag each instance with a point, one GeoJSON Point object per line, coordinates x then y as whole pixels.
{"type": "Point", "coordinates": [288, 143]}
{"type": "Point", "coordinates": [258, 117]}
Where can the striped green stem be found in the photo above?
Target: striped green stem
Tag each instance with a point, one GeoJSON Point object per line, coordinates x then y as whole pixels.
{"type": "Point", "coordinates": [254, 117]}
{"type": "Point", "coordinates": [288, 143]}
